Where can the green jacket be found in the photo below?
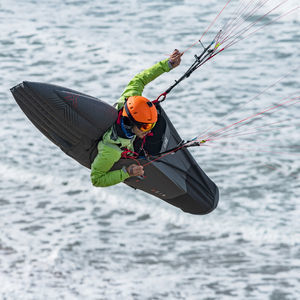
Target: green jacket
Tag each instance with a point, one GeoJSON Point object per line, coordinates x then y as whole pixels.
{"type": "Point", "coordinates": [109, 148]}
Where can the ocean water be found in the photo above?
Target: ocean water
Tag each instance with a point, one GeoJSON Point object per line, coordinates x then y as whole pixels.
{"type": "Point", "coordinates": [61, 238]}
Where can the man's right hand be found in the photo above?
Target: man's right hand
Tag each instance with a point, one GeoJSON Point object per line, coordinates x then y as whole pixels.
{"type": "Point", "coordinates": [175, 58]}
{"type": "Point", "coordinates": [135, 170]}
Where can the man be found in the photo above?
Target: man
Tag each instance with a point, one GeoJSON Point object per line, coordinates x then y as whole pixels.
{"type": "Point", "coordinates": [137, 117]}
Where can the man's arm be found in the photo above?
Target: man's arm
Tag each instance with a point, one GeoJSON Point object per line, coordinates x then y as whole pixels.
{"type": "Point", "coordinates": [137, 84]}
{"type": "Point", "coordinates": [101, 176]}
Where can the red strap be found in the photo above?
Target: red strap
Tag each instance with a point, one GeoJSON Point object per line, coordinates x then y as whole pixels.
{"type": "Point", "coordinates": [126, 152]}
{"type": "Point", "coordinates": [143, 142]}
{"type": "Point", "coordinates": [144, 139]}
{"type": "Point", "coordinates": [164, 95]}
{"type": "Point", "coordinates": [119, 117]}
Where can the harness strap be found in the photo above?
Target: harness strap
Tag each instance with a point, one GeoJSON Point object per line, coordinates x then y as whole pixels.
{"type": "Point", "coordinates": [144, 139]}
{"type": "Point", "coordinates": [131, 154]}
{"type": "Point", "coordinates": [119, 117]}
{"type": "Point", "coordinates": [126, 152]}
{"type": "Point", "coordinates": [158, 100]}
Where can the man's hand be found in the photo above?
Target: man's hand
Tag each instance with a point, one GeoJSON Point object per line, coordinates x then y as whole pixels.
{"type": "Point", "coordinates": [175, 58]}
{"type": "Point", "coordinates": [135, 170]}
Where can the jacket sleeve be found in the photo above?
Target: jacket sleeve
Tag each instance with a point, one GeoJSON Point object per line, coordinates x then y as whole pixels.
{"type": "Point", "coordinates": [101, 176]}
{"type": "Point", "coordinates": [137, 84]}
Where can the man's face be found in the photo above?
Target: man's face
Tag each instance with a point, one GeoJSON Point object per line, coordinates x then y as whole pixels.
{"type": "Point", "coordinates": [139, 133]}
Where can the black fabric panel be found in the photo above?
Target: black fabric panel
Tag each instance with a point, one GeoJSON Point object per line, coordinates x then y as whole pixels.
{"type": "Point", "coordinates": [75, 122]}
{"type": "Point", "coordinates": [175, 178]}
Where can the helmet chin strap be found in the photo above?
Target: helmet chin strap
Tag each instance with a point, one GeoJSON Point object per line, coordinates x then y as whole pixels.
{"type": "Point", "coordinates": [127, 129]}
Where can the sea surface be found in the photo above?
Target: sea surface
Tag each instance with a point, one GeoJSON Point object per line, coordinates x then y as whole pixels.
{"type": "Point", "coordinates": [62, 238]}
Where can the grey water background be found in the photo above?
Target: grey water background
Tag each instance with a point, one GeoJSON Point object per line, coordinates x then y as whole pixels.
{"type": "Point", "coordinates": [61, 238]}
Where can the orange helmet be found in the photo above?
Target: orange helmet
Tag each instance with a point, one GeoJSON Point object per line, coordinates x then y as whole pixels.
{"type": "Point", "coordinates": [140, 112]}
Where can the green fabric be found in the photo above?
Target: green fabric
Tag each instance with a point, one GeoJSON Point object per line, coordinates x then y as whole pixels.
{"type": "Point", "coordinates": [107, 156]}
{"type": "Point", "coordinates": [137, 84]}
{"type": "Point", "coordinates": [109, 150]}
